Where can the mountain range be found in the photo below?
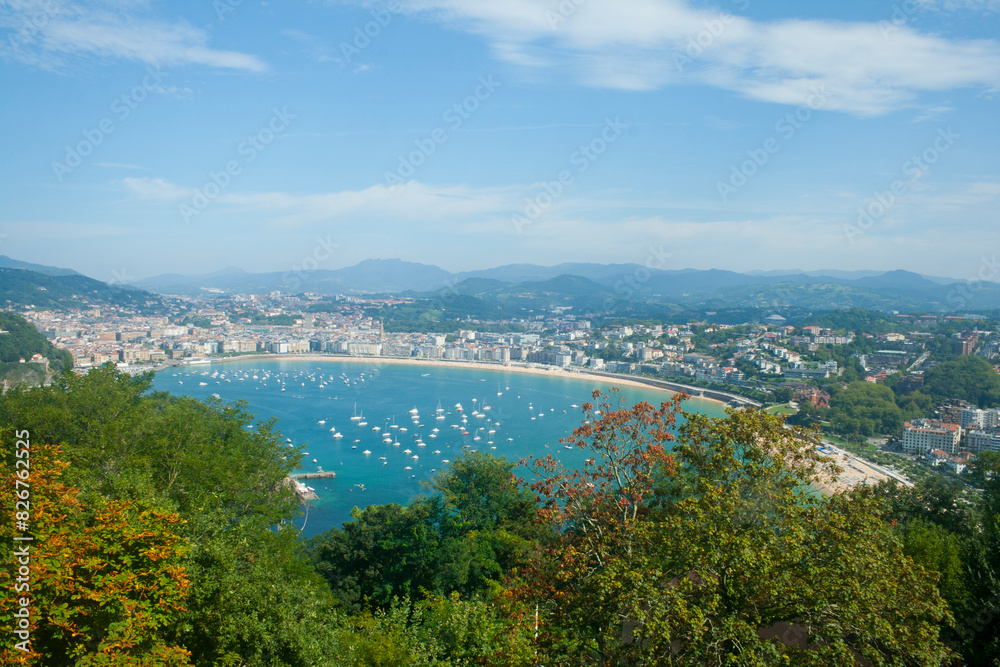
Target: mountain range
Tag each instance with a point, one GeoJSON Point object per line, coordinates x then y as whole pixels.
{"type": "Point", "coordinates": [713, 288]}
{"type": "Point", "coordinates": [585, 286]}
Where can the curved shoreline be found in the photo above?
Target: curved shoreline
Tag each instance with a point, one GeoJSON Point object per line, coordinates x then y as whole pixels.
{"type": "Point", "coordinates": [530, 369]}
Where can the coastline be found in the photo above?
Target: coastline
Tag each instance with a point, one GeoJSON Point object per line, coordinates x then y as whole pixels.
{"type": "Point", "coordinates": [612, 379]}
{"type": "Point", "coordinates": [854, 471]}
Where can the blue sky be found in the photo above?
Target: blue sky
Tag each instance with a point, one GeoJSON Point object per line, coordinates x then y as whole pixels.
{"type": "Point", "coordinates": [144, 137]}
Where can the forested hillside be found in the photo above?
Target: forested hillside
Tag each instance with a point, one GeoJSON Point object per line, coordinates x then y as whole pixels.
{"type": "Point", "coordinates": [21, 340]}
{"type": "Point", "coordinates": [20, 288]}
{"type": "Point", "coordinates": [164, 534]}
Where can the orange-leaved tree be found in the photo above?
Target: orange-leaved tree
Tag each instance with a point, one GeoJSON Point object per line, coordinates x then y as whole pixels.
{"type": "Point", "coordinates": [597, 509]}
{"type": "Point", "coordinates": [719, 552]}
{"type": "Point", "coordinates": [105, 583]}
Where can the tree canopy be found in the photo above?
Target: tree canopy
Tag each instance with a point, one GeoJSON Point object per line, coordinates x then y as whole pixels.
{"type": "Point", "coordinates": [165, 535]}
{"type": "Point", "coordinates": [726, 559]}
{"type": "Point", "coordinates": [968, 378]}
{"type": "Point", "coordinates": [865, 409]}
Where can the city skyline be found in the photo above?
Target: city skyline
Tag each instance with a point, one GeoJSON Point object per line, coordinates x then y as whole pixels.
{"type": "Point", "coordinates": [150, 138]}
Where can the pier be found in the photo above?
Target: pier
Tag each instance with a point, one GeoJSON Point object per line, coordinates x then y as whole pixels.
{"type": "Point", "coordinates": [314, 475]}
{"type": "Point", "coordinates": [300, 489]}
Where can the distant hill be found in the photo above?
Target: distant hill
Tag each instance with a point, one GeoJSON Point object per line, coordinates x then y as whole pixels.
{"type": "Point", "coordinates": [20, 288]}
{"type": "Point", "coordinates": [519, 273]}
{"type": "Point", "coordinates": [8, 263]}
{"type": "Point", "coordinates": [373, 275]}
{"type": "Point", "coordinates": [589, 285]}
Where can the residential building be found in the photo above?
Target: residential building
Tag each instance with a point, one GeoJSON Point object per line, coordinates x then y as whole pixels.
{"type": "Point", "coordinates": [983, 440]}
{"type": "Point", "coordinates": [923, 435]}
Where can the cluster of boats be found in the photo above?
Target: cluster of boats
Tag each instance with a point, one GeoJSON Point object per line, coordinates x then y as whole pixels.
{"type": "Point", "coordinates": [478, 427]}
{"type": "Point", "coordinates": [283, 379]}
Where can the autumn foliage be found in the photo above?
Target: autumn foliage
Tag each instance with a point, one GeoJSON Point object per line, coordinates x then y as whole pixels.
{"type": "Point", "coordinates": [105, 575]}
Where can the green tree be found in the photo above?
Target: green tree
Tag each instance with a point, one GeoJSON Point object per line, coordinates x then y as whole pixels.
{"type": "Point", "coordinates": [865, 409]}
{"type": "Point", "coordinates": [936, 549]}
{"type": "Point", "coordinates": [914, 405]}
{"type": "Point", "coordinates": [107, 581]}
{"type": "Point", "coordinates": [485, 494]}
{"type": "Point", "coordinates": [968, 378]}
{"type": "Point", "coordinates": [21, 340]}
{"type": "Point", "coordinates": [466, 539]}
{"type": "Point", "coordinates": [728, 559]}
{"type": "Point", "coordinates": [254, 598]}
{"type": "Point", "coordinates": [782, 395]}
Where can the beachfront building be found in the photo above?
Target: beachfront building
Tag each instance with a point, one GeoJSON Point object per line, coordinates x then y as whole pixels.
{"type": "Point", "coordinates": [924, 435]}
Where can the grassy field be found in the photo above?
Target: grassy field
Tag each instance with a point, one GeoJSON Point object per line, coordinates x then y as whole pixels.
{"type": "Point", "coordinates": [781, 410]}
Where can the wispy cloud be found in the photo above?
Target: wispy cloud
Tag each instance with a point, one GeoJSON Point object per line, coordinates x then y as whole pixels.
{"type": "Point", "coordinates": [45, 33]}
{"type": "Point", "coordinates": [155, 189]}
{"type": "Point", "coordinates": [312, 46]}
{"type": "Point", "coordinates": [117, 165]}
{"type": "Point", "coordinates": [405, 204]}
{"type": "Point", "coordinates": [961, 5]}
{"type": "Point", "coordinates": [647, 44]}
{"type": "Point", "coordinates": [932, 113]}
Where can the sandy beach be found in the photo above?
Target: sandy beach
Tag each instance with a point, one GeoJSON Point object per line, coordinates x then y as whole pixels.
{"type": "Point", "coordinates": [607, 379]}
{"type": "Point", "coordinates": [855, 471]}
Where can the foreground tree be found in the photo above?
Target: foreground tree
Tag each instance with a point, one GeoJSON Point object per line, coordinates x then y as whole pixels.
{"type": "Point", "coordinates": [106, 580]}
{"type": "Point", "coordinates": [718, 552]}
{"type": "Point", "coordinates": [466, 538]}
{"type": "Point", "coordinates": [254, 598]}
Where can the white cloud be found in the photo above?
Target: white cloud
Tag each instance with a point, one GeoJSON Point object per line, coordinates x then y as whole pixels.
{"type": "Point", "coordinates": [867, 68]}
{"type": "Point", "coordinates": [407, 203]}
{"type": "Point", "coordinates": [118, 165]}
{"type": "Point", "coordinates": [155, 189]}
{"type": "Point", "coordinates": [44, 32]}
{"type": "Point", "coordinates": [960, 5]}
{"type": "Point", "coordinates": [313, 47]}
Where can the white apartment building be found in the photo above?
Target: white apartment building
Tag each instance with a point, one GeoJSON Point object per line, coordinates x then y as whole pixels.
{"type": "Point", "coordinates": [922, 435]}
{"type": "Point", "coordinates": [979, 441]}
{"type": "Point", "coordinates": [356, 348]}
{"type": "Point", "coordinates": [974, 417]}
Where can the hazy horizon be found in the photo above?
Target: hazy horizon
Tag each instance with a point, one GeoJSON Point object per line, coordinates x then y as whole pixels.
{"type": "Point", "coordinates": [150, 138]}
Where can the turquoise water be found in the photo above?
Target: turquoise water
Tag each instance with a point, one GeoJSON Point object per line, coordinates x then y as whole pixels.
{"type": "Point", "coordinates": [527, 413]}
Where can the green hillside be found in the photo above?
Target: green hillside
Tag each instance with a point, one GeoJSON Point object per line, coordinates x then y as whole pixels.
{"type": "Point", "coordinates": [21, 340]}
{"type": "Point", "coordinates": [27, 289]}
